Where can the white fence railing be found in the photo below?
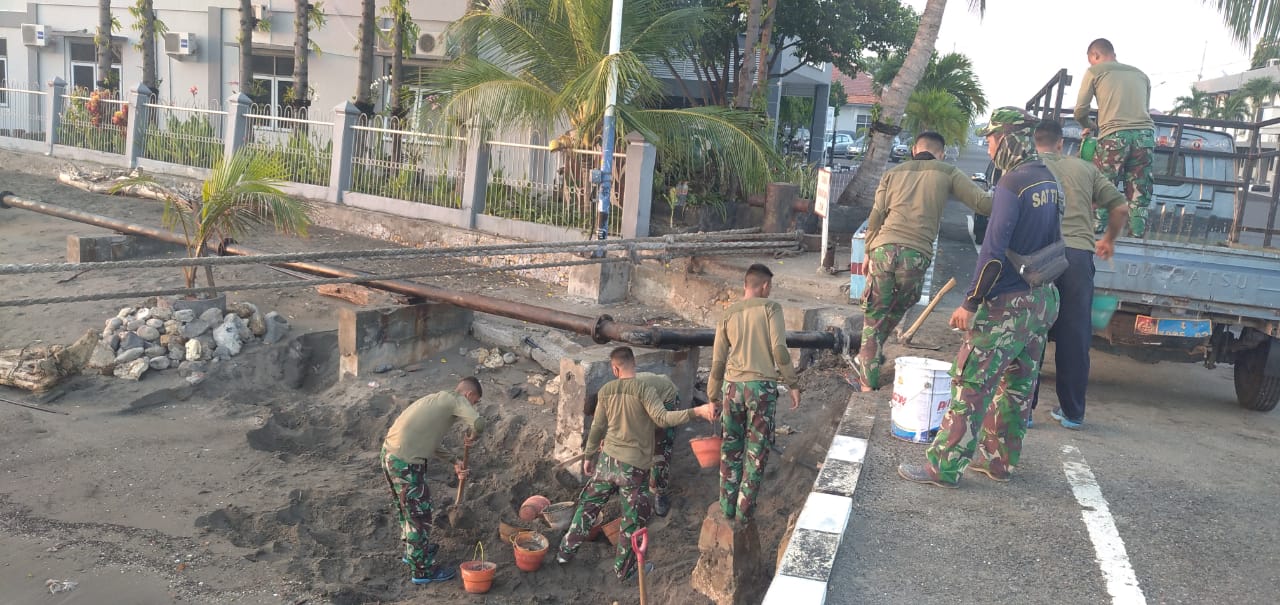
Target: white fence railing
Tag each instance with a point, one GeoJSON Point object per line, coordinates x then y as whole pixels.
{"type": "Point", "coordinates": [22, 111]}
{"type": "Point", "coordinates": [94, 121]}
{"type": "Point", "coordinates": [190, 136]}
{"type": "Point", "coordinates": [302, 145]}
{"type": "Point", "coordinates": [392, 161]}
{"type": "Point", "coordinates": [532, 183]}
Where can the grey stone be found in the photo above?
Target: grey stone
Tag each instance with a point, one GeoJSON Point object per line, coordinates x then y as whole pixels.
{"type": "Point", "coordinates": [125, 312]}
{"type": "Point", "coordinates": [206, 341]}
{"type": "Point", "coordinates": [184, 315]}
{"type": "Point", "coordinates": [242, 328]}
{"type": "Point", "coordinates": [172, 326]}
{"type": "Point", "coordinates": [143, 314]}
{"type": "Point", "coordinates": [195, 378]}
{"type": "Point", "coordinates": [133, 370]}
{"type": "Point", "coordinates": [277, 327]}
{"type": "Point", "coordinates": [102, 358]}
{"type": "Point", "coordinates": [177, 352]}
{"type": "Point", "coordinates": [162, 313]}
{"type": "Point", "coordinates": [187, 368]}
{"type": "Point", "coordinates": [129, 355]}
{"type": "Point", "coordinates": [112, 340]}
{"type": "Point", "coordinates": [159, 363]}
{"type": "Point", "coordinates": [508, 358]}
{"type": "Point", "coordinates": [133, 324]}
{"type": "Point", "coordinates": [114, 323]}
{"type": "Point", "coordinates": [155, 323]}
{"type": "Point", "coordinates": [227, 337]}
{"type": "Point", "coordinates": [257, 325]}
{"type": "Point", "coordinates": [222, 354]}
{"type": "Point", "coordinates": [155, 351]}
{"type": "Point", "coordinates": [149, 333]}
{"type": "Point", "coordinates": [194, 328]}
{"type": "Point", "coordinates": [194, 349]}
{"type": "Point", "coordinates": [212, 316]}
{"type": "Point", "coordinates": [131, 341]}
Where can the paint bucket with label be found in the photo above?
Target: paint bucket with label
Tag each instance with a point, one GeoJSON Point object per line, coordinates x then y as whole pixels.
{"type": "Point", "coordinates": [921, 395]}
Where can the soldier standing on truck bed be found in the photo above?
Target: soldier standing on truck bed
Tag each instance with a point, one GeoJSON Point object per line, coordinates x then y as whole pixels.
{"type": "Point", "coordinates": [1126, 134]}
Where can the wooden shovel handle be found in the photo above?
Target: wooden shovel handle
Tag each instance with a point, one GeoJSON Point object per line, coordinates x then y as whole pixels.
{"type": "Point", "coordinates": [937, 298]}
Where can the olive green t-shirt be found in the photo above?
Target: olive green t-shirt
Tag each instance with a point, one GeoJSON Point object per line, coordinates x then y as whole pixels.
{"type": "Point", "coordinates": [750, 344]}
{"type": "Point", "coordinates": [909, 203]}
{"type": "Point", "coordinates": [1124, 98]}
{"type": "Point", "coordinates": [666, 389]}
{"type": "Point", "coordinates": [421, 427]}
{"type": "Point", "coordinates": [626, 417]}
{"type": "Point", "coordinates": [1086, 191]}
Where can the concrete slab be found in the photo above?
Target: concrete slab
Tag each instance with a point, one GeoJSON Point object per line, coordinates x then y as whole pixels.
{"type": "Point", "coordinates": [396, 336]}
{"type": "Point", "coordinates": [810, 555]}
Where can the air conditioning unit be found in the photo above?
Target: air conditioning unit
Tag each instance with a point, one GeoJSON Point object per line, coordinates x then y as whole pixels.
{"type": "Point", "coordinates": [261, 12]}
{"type": "Point", "coordinates": [431, 45]}
{"type": "Point", "coordinates": [384, 42]}
{"type": "Point", "coordinates": [180, 44]}
{"type": "Point", "coordinates": [35, 35]}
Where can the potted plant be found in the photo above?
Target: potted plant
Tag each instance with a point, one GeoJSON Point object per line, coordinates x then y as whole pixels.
{"type": "Point", "coordinates": [242, 193]}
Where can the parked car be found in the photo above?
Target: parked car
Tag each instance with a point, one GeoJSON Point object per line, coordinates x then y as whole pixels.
{"type": "Point", "coordinates": [900, 152]}
{"type": "Point", "coordinates": [843, 145]}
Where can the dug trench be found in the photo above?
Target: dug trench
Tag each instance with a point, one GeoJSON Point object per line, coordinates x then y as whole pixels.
{"type": "Point", "coordinates": [267, 473]}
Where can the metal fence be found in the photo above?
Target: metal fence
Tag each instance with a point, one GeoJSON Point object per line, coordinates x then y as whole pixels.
{"type": "Point", "coordinates": [302, 146]}
{"type": "Point", "coordinates": [22, 111]}
{"type": "Point", "coordinates": [190, 136]}
{"type": "Point", "coordinates": [96, 120]}
{"type": "Point", "coordinates": [532, 183]}
{"type": "Point", "coordinates": [390, 160]}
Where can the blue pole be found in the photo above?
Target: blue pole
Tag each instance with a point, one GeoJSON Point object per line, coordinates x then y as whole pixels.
{"type": "Point", "coordinates": [610, 126]}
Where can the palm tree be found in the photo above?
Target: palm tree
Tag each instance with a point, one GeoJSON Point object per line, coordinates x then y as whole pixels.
{"type": "Point", "coordinates": [248, 22]}
{"type": "Point", "coordinates": [148, 27]}
{"type": "Point", "coordinates": [747, 74]}
{"type": "Point", "coordinates": [894, 102]}
{"type": "Point", "coordinates": [102, 44]}
{"type": "Point", "coordinates": [1249, 19]}
{"type": "Point", "coordinates": [539, 63]}
{"type": "Point", "coordinates": [952, 72]}
{"type": "Point", "coordinates": [364, 75]}
{"type": "Point", "coordinates": [936, 110]}
{"type": "Point", "coordinates": [1233, 107]}
{"type": "Point", "coordinates": [301, 39]}
{"type": "Point", "coordinates": [1258, 91]}
{"type": "Point", "coordinates": [241, 194]}
{"type": "Point", "coordinates": [404, 36]}
{"type": "Point", "coordinates": [1196, 105]}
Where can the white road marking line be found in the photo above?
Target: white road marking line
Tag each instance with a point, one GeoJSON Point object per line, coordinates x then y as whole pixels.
{"type": "Point", "coordinates": [1122, 584]}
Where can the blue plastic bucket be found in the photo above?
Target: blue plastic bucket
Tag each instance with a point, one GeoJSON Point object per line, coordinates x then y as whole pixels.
{"type": "Point", "coordinates": [1104, 306]}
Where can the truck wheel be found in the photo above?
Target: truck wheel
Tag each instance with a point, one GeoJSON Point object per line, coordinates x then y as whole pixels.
{"type": "Point", "coordinates": [1254, 390]}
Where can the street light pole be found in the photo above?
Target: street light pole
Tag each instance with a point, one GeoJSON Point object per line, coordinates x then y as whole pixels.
{"type": "Point", "coordinates": [610, 129]}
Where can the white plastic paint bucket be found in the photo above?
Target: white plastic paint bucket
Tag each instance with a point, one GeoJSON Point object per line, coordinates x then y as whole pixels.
{"type": "Point", "coordinates": [921, 395]}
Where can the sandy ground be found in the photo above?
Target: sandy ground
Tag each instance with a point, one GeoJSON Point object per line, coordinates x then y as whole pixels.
{"type": "Point", "coordinates": [261, 484]}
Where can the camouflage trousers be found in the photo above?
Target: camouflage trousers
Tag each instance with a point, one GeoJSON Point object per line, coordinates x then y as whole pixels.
{"type": "Point", "coordinates": [611, 476]}
{"type": "Point", "coordinates": [664, 441]}
{"type": "Point", "coordinates": [1126, 156]}
{"type": "Point", "coordinates": [895, 278]}
{"type": "Point", "coordinates": [991, 384]}
{"type": "Point", "coordinates": [747, 420]}
{"type": "Point", "coordinates": [413, 507]}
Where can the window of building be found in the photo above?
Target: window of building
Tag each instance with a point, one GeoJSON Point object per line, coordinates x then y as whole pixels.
{"type": "Point", "coordinates": [84, 65]}
{"type": "Point", "coordinates": [272, 87]}
{"type": "Point", "coordinates": [420, 102]}
{"type": "Point", "coordinates": [4, 72]}
{"type": "Point", "coordinates": [863, 125]}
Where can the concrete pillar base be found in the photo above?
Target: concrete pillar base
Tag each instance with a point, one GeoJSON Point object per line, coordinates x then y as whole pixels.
{"type": "Point", "coordinates": [730, 568]}
{"type": "Point", "coordinates": [602, 284]}
{"type": "Point", "coordinates": [103, 248]}
{"type": "Point", "coordinates": [396, 336]}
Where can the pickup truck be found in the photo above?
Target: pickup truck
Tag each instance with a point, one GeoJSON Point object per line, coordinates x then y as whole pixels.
{"type": "Point", "coordinates": [1203, 284]}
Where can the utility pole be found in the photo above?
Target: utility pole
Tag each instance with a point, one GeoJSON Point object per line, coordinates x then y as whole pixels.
{"type": "Point", "coordinates": [610, 133]}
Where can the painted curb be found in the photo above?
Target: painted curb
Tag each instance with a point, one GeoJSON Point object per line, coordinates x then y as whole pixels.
{"type": "Point", "coordinates": [810, 555]}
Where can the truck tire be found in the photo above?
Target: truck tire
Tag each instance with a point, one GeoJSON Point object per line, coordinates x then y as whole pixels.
{"type": "Point", "coordinates": [1254, 390]}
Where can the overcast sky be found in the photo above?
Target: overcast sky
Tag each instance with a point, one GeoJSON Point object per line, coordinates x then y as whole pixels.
{"type": "Point", "coordinates": [1018, 45]}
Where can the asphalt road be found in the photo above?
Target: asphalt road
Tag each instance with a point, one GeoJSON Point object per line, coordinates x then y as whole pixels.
{"type": "Point", "coordinates": [1168, 495]}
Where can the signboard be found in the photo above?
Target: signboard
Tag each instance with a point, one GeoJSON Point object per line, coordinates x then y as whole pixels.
{"type": "Point", "coordinates": [822, 196]}
{"type": "Point", "coordinates": [1185, 328]}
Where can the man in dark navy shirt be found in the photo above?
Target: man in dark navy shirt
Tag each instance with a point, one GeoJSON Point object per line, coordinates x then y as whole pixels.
{"type": "Point", "coordinates": [1005, 319]}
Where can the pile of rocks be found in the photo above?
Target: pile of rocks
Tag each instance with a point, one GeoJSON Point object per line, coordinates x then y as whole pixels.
{"type": "Point", "coordinates": [491, 358]}
{"type": "Point", "coordinates": [145, 338]}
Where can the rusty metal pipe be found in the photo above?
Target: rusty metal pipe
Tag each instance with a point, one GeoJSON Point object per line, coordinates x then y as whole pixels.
{"type": "Point", "coordinates": [601, 329]}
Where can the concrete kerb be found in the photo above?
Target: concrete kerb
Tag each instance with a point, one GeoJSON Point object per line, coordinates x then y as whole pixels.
{"type": "Point", "coordinates": [811, 551]}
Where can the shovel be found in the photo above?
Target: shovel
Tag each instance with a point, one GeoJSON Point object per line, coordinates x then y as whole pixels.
{"type": "Point", "coordinates": [640, 544]}
{"type": "Point", "coordinates": [905, 337]}
{"type": "Point", "coordinates": [457, 514]}
{"type": "Point", "coordinates": [564, 477]}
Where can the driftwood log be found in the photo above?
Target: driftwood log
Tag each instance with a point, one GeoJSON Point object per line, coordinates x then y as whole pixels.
{"type": "Point", "coordinates": [40, 368]}
{"type": "Point", "coordinates": [106, 183]}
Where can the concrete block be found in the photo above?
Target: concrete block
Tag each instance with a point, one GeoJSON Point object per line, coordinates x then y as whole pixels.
{"type": "Point", "coordinates": [838, 477]}
{"type": "Point", "coordinates": [102, 248]}
{"type": "Point", "coordinates": [552, 345]}
{"type": "Point", "coordinates": [788, 590]}
{"type": "Point", "coordinates": [849, 449]}
{"type": "Point", "coordinates": [825, 512]}
{"type": "Point", "coordinates": [584, 373]}
{"type": "Point", "coordinates": [810, 555]}
{"type": "Point", "coordinates": [602, 284]}
{"type": "Point", "coordinates": [694, 297]}
{"type": "Point", "coordinates": [397, 336]}
{"type": "Point", "coordinates": [729, 569]}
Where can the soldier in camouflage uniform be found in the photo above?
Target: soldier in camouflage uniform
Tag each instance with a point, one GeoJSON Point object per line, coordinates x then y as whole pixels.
{"type": "Point", "coordinates": [903, 223]}
{"type": "Point", "coordinates": [1006, 319]}
{"type": "Point", "coordinates": [623, 427]}
{"type": "Point", "coordinates": [663, 441]}
{"type": "Point", "coordinates": [1126, 133]}
{"type": "Point", "coordinates": [748, 360]}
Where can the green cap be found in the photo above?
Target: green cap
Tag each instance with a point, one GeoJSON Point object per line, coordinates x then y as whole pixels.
{"type": "Point", "coordinates": [1009, 120]}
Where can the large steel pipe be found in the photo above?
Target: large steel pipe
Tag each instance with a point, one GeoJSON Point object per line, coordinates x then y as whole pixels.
{"type": "Point", "coordinates": [602, 329]}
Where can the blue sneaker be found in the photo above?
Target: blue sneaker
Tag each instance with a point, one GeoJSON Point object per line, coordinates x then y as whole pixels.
{"type": "Point", "coordinates": [1030, 422]}
{"type": "Point", "coordinates": [441, 574]}
{"type": "Point", "coordinates": [1067, 423]}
